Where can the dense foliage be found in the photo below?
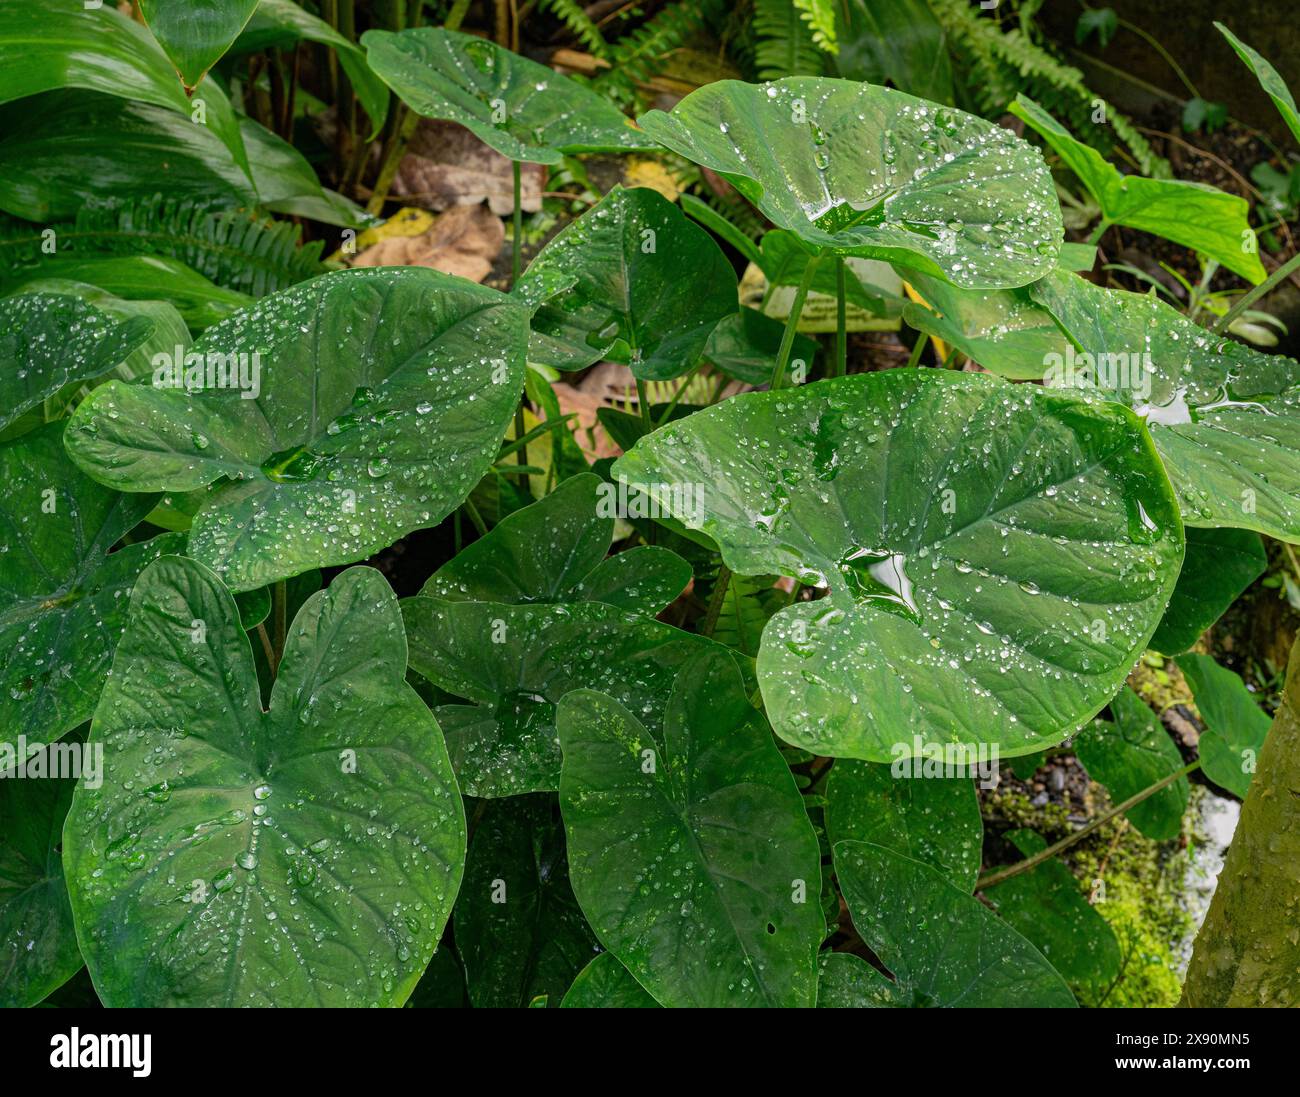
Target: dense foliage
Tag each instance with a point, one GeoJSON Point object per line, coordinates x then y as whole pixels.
{"type": "Point", "coordinates": [340, 669]}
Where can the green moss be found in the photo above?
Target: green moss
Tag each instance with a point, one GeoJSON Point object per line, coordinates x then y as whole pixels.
{"type": "Point", "coordinates": [1140, 897]}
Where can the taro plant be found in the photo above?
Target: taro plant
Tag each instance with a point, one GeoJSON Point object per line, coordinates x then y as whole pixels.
{"type": "Point", "coordinates": [331, 680]}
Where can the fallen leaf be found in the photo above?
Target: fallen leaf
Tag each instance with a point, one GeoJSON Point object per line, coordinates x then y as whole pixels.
{"type": "Point", "coordinates": [463, 241]}
{"type": "Point", "coordinates": [447, 166]}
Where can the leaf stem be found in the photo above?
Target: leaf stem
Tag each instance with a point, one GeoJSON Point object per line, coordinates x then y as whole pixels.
{"type": "Point", "coordinates": [280, 620]}
{"type": "Point", "coordinates": [677, 396]}
{"type": "Point", "coordinates": [643, 404]}
{"type": "Point", "coordinates": [1094, 238]}
{"type": "Point", "coordinates": [1256, 292]}
{"type": "Point", "coordinates": [841, 366]}
{"type": "Point", "coordinates": [475, 518]}
{"type": "Point", "coordinates": [716, 597]}
{"type": "Point", "coordinates": [516, 259]}
{"type": "Point", "coordinates": [918, 348]}
{"type": "Point", "coordinates": [1005, 873]}
{"type": "Point", "coordinates": [792, 325]}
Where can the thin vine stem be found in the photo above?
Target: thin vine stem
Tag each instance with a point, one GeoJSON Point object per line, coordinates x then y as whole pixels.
{"type": "Point", "coordinates": [1005, 873]}
{"type": "Point", "coordinates": [1255, 293]}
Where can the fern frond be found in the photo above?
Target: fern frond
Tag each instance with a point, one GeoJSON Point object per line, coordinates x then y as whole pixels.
{"type": "Point", "coordinates": [1001, 62]}
{"type": "Point", "coordinates": [748, 603]}
{"type": "Point", "coordinates": [234, 248]}
{"type": "Point", "coordinates": [641, 54]}
{"type": "Point", "coordinates": [783, 42]}
{"type": "Point", "coordinates": [580, 24]}
{"type": "Point", "coordinates": [820, 17]}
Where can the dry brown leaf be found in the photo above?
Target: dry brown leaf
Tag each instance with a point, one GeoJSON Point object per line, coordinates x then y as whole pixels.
{"type": "Point", "coordinates": [447, 166]}
{"type": "Point", "coordinates": [463, 241]}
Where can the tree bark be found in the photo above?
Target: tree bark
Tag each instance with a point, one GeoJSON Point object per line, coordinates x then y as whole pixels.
{"type": "Point", "coordinates": [1248, 951]}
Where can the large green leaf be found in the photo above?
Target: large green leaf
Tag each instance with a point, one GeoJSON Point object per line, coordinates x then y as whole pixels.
{"type": "Point", "coordinates": [169, 332]}
{"type": "Point", "coordinates": [382, 398]}
{"type": "Point", "coordinates": [554, 551]}
{"type": "Point", "coordinates": [690, 850]}
{"type": "Point", "coordinates": [899, 41]}
{"type": "Point", "coordinates": [195, 33]}
{"type": "Point", "coordinates": [1192, 214]}
{"type": "Point", "coordinates": [1003, 330]}
{"type": "Point", "coordinates": [51, 44]}
{"type": "Point", "coordinates": [283, 22]}
{"type": "Point", "coordinates": [518, 927]}
{"type": "Point", "coordinates": [1269, 79]}
{"type": "Point", "coordinates": [784, 259]}
{"type": "Point", "coordinates": [944, 947]}
{"type": "Point", "coordinates": [934, 820]}
{"type": "Point", "coordinates": [1235, 725]}
{"type": "Point", "coordinates": [48, 340]}
{"type": "Point", "coordinates": [1219, 565]}
{"type": "Point", "coordinates": [522, 109]}
{"type": "Point", "coordinates": [310, 853]}
{"type": "Point", "coordinates": [38, 944]}
{"type": "Point", "coordinates": [846, 981]}
{"type": "Point", "coordinates": [651, 285]}
{"type": "Point", "coordinates": [607, 984]}
{"type": "Point", "coordinates": [1224, 418]}
{"type": "Point", "coordinates": [870, 171]}
{"type": "Point", "coordinates": [995, 557]}
{"type": "Point", "coordinates": [513, 664]}
{"type": "Point", "coordinates": [140, 278]}
{"type": "Point", "coordinates": [1047, 908]}
{"type": "Point", "coordinates": [1131, 753]}
{"type": "Point", "coordinates": [63, 594]}
{"type": "Point", "coordinates": [90, 144]}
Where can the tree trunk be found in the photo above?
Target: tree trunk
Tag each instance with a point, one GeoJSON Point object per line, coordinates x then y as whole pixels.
{"type": "Point", "coordinates": [1248, 950]}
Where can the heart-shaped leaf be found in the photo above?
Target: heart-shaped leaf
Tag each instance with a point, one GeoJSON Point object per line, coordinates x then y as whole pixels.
{"type": "Point", "coordinates": [1002, 330]}
{"type": "Point", "coordinates": [1192, 214]}
{"type": "Point", "coordinates": [690, 850]}
{"type": "Point", "coordinates": [554, 551]}
{"type": "Point", "coordinates": [63, 594]}
{"type": "Point", "coordinates": [871, 171]}
{"type": "Point", "coordinates": [845, 981]}
{"type": "Point", "coordinates": [38, 943]}
{"type": "Point", "coordinates": [1131, 753]}
{"type": "Point", "coordinates": [607, 984]}
{"type": "Point", "coordinates": [518, 927]}
{"type": "Point", "coordinates": [48, 340]}
{"type": "Point", "coordinates": [1225, 418]}
{"type": "Point", "coordinates": [995, 558]}
{"type": "Point", "coordinates": [1235, 725]}
{"type": "Point", "coordinates": [195, 34]}
{"type": "Point", "coordinates": [1219, 565]}
{"type": "Point", "coordinates": [1045, 905]}
{"type": "Point", "coordinates": [380, 399]}
{"type": "Point", "coordinates": [651, 285]}
{"type": "Point", "coordinates": [49, 44]}
{"type": "Point", "coordinates": [520, 108]}
{"type": "Point", "coordinates": [232, 856]}
{"type": "Point", "coordinates": [944, 947]}
{"type": "Point", "coordinates": [934, 820]}
{"type": "Point", "coordinates": [513, 664]}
